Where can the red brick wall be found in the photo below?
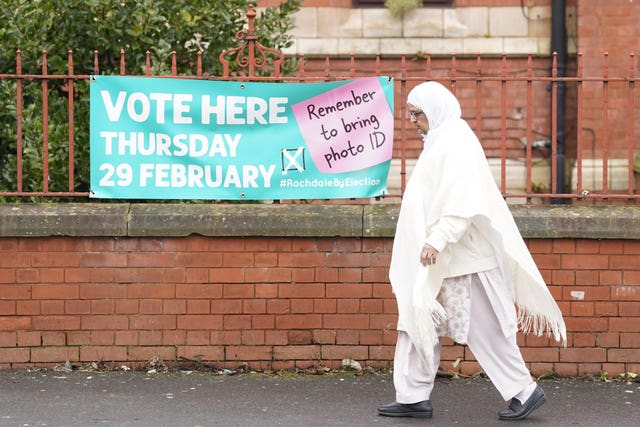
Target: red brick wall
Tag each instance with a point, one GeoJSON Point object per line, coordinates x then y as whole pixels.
{"type": "Point", "coordinates": [278, 303]}
{"type": "Point", "coordinates": [610, 27]}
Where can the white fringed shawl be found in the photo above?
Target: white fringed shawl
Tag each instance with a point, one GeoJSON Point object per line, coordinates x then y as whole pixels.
{"type": "Point", "coordinates": [452, 178]}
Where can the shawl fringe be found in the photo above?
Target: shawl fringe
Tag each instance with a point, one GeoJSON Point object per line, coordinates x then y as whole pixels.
{"type": "Point", "coordinates": [425, 336]}
{"type": "Point", "coordinates": [427, 313]}
{"type": "Point", "coordinates": [542, 325]}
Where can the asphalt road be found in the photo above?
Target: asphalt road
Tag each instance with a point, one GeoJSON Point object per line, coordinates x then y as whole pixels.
{"type": "Point", "coordinates": [57, 399]}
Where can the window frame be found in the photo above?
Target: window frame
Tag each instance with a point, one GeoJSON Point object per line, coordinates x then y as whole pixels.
{"type": "Point", "coordinates": [380, 3]}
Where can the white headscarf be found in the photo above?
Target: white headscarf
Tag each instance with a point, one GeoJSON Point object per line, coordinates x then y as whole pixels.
{"type": "Point", "coordinates": [437, 103]}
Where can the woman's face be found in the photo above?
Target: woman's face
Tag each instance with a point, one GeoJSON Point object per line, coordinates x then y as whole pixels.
{"type": "Point", "coordinates": [418, 118]}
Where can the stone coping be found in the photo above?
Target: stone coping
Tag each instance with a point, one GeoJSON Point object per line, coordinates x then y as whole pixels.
{"type": "Point", "coordinates": [287, 220]}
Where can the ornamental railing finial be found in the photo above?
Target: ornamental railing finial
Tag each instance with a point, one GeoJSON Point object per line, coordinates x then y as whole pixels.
{"type": "Point", "coordinates": [251, 54]}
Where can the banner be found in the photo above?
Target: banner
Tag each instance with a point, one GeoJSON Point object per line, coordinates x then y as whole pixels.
{"type": "Point", "coordinates": [161, 138]}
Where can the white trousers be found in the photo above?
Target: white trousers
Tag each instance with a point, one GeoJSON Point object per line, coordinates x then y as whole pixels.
{"type": "Point", "coordinates": [498, 355]}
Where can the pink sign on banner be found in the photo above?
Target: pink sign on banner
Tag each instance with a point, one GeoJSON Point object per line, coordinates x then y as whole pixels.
{"type": "Point", "coordinates": [348, 128]}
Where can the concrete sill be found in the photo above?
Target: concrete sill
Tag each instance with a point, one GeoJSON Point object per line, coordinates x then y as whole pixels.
{"type": "Point", "coordinates": [291, 220]}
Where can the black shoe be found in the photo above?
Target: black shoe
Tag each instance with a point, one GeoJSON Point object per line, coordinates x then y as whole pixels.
{"type": "Point", "coordinates": [416, 410]}
{"type": "Point", "coordinates": [518, 411]}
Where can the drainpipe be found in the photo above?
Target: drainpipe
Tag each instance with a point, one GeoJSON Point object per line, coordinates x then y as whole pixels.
{"type": "Point", "coordinates": [559, 45]}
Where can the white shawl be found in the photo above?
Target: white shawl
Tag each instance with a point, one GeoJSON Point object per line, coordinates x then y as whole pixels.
{"type": "Point", "coordinates": [452, 178]}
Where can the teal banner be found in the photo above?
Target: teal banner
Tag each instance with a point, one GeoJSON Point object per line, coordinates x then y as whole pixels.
{"type": "Point", "coordinates": [162, 138]}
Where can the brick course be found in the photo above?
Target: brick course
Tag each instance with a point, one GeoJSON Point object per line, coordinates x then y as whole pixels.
{"type": "Point", "coordinates": [280, 303]}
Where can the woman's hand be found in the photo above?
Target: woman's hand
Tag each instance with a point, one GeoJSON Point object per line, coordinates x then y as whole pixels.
{"type": "Point", "coordinates": [428, 255]}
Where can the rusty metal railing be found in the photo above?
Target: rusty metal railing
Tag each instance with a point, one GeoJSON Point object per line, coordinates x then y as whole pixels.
{"type": "Point", "coordinates": [510, 102]}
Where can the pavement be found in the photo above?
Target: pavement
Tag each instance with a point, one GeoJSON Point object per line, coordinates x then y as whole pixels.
{"type": "Point", "coordinates": [192, 398]}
